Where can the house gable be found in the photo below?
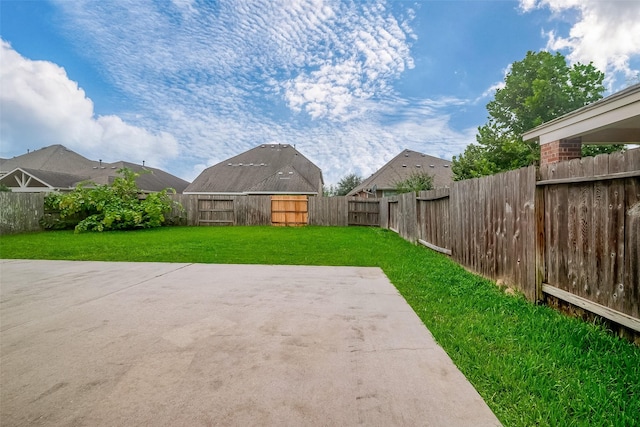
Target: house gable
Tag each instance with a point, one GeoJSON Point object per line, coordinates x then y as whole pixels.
{"type": "Point", "coordinates": [399, 168]}
{"type": "Point", "coordinates": [32, 180]}
{"type": "Point", "coordinates": [257, 170]}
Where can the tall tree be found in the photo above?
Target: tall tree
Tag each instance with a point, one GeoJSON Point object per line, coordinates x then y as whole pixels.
{"type": "Point", "coordinates": [347, 183]}
{"type": "Point", "coordinates": [537, 89]}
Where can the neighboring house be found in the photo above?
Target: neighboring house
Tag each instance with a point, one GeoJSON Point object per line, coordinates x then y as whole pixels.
{"type": "Point", "coordinates": [265, 169]}
{"type": "Point", "coordinates": [383, 182]}
{"type": "Point", "coordinates": [56, 168]}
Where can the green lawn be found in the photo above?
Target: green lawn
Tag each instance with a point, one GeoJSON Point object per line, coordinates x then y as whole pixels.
{"type": "Point", "coordinates": [532, 365]}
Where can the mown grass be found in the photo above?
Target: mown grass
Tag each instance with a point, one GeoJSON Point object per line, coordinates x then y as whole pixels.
{"type": "Point", "coordinates": [532, 365]}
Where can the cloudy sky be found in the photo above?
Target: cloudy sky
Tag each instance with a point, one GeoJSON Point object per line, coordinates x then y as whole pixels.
{"type": "Point", "coordinates": [185, 84]}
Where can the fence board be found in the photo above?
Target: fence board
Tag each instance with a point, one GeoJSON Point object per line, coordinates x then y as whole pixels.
{"type": "Point", "coordinates": [252, 210]}
{"type": "Point", "coordinates": [492, 223]}
{"type": "Point", "coordinates": [433, 218]}
{"type": "Point", "coordinates": [20, 212]}
{"type": "Point", "coordinates": [590, 232]}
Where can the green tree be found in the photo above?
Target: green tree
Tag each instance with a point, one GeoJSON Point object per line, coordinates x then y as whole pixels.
{"type": "Point", "coordinates": [118, 206]}
{"type": "Point", "coordinates": [416, 182]}
{"type": "Point", "coordinates": [346, 184]}
{"type": "Point", "coordinates": [537, 89]}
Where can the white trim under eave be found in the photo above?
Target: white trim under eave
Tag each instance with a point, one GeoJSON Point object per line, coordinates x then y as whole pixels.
{"type": "Point", "coordinates": [588, 119]}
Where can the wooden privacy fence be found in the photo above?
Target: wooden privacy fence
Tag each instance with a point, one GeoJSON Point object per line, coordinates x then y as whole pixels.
{"type": "Point", "coordinates": [588, 240]}
{"type": "Point", "coordinates": [572, 233]}
{"type": "Point", "coordinates": [20, 212]}
{"type": "Point", "coordinates": [432, 211]}
{"type": "Point", "coordinates": [275, 210]}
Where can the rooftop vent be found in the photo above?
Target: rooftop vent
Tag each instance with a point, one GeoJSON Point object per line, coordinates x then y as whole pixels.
{"type": "Point", "coordinates": [418, 166]}
{"type": "Point", "coordinates": [446, 166]}
{"type": "Point", "coordinates": [290, 173]}
{"type": "Point", "coordinates": [432, 166]}
{"type": "Point", "coordinates": [406, 155]}
{"type": "Point", "coordinates": [229, 164]}
{"type": "Point", "coordinates": [279, 173]}
{"type": "Point", "coordinates": [404, 166]}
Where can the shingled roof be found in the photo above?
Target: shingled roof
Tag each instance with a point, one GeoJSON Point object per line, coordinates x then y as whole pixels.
{"type": "Point", "coordinates": [400, 168]}
{"type": "Point", "coordinates": [57, 168]}
{"type": "Point", "coordinates": [150, 179]}
{"type": "Point", "coordinates": [54, 158]}
{"type": "Point", "coordinates": [265, 169]}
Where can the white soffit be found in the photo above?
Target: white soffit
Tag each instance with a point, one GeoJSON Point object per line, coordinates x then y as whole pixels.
{"type": "Point", "coordinates": [615, 119]}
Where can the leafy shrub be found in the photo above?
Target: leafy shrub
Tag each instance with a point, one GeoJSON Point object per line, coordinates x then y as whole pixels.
{"type": "Point", "coordinates": [416, 182]}
{"type": "Point", "coordinates": [118, 206]}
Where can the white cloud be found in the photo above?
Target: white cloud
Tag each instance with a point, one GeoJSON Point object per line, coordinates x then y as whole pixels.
{"type": "Point", "coordinates": [606, 33]}
{"type": "Point", "coordinates": [223, 77]}
{"type": "Point", "coordinates": [41, 105]}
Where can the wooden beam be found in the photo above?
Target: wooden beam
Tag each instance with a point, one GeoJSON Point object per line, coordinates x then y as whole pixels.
{"type": "Point", "coordinates": [434, 247]}
{"type": "Point", "coordinates": [619, 175]}
{"type": "Point", "coordinates": [601, 310]}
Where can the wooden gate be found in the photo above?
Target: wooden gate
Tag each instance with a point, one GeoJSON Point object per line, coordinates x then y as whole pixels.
{"type": "Point", "coordinates": [218, 211]}
{"type": "Point", "coordinates": [364, 212]}
{"type": "Point", "coordinates": [289, 210]}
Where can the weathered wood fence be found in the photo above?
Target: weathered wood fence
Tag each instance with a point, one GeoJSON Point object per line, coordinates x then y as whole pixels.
{"type": "Point", "coordinates": [20, 212]}
{"type": "Point", "coordinates": [588, 241]}
{"type": "Point", "coordinates": [573, 232]}
{"type": "Point", "coordinates": [276, 210]}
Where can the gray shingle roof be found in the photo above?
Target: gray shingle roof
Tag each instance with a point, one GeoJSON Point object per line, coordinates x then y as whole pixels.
{"type": "Point", "coordinates": [150, 179]}
{"type": "Point", "coordinates": [46, 162]}
{"type": "Point", "coordinates": [400, 168]}
{"type": "Point", "coordinates": [54, 158]}
{"type": "Point", "coordinates": [268, 168]}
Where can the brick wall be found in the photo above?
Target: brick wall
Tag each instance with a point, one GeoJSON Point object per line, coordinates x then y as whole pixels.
{"type": "Point", "coordinates": [558, 151]}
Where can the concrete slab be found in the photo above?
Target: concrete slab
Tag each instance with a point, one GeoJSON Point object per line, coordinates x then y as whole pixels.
{"type": "Point", "coordinates": [96, 343]}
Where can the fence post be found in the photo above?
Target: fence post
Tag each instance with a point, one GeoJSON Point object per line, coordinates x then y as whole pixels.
{"type": "Point", "coordinates": [541, 268]}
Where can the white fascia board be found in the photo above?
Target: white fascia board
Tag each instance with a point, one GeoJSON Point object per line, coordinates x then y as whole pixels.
{"type": "Point", "coordinates": [584, 121]}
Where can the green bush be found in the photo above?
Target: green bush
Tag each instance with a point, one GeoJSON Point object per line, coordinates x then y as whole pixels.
{"type": "Point", "coordinates": [118, 206]}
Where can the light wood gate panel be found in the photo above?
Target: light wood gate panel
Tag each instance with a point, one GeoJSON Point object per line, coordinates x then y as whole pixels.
{"type": "Point", "coordinates": [215, 211]}
{"type": "Point", "coordinates": [289, 210]}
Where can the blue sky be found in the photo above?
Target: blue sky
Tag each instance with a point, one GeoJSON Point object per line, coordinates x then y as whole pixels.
{"type": "Point", "coordinates": [185, 84]}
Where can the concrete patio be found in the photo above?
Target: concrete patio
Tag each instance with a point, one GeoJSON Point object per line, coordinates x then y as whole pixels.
{"type": "Point", "coordinates": [97, 343]}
